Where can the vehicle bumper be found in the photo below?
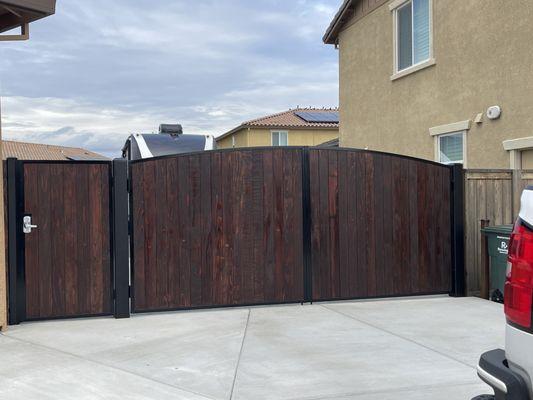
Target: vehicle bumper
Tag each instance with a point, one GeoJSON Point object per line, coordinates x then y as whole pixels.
{"type": "Point", "coordinates": [495, 372]}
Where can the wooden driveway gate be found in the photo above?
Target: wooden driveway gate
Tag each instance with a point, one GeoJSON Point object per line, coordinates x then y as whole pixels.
{"type": "Point", "coordinates": [277, 225]}
{"type": "Point", "coordinates": [217, 229]}
{"type": "Point", "coordinates": [229, 228]}
{"type": "Point", "coordinates": [381, 225]}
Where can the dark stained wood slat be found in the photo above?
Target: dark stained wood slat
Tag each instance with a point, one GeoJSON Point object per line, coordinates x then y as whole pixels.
{"type": "Point", "coordinates": [84, 273]}
{"type": "Point", "coordinates": [70, 246]}
{"type": "Point", "coordinates": [316, 239]}
{"type": "Point", "coordinates": [195, 230]}
{"type": "Point", "coordinates": [332, 210]}
{"type": "Point", "coordinates": [269, 287]}
{"type": "Point", "coordinates": [206, 230]}
{"type": "Point", "coordinates": [150, 233]}
{"type": "Point", "coordinates": [371, 217]}
{"type": "Point", "coordinates": [257, 217]}
{"type": "Point", "coordinates": [172, 215]}
{"type": "Point", "coordinates": [138, 241]}
{"type": "Point", "coordinates": [162, 243]}
{"type": "Point", "coordinates": [44, 248]}
{"type": "Point", "coordinates": [33, 279]}
{"type": "Point", "coordinates": [57, 202]}
{"type": "Point", "coordinates": [95, 232]}
{"type": "Point", "coordinates": [183, 238]}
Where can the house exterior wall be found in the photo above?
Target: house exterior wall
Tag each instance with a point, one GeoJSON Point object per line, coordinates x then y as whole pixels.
{"type": "Point", "coordinates": [255, 137]}
{"type": "Point", "coordinates": [483, 58]}
{"type": "Point", "coordinates": [241, 140]}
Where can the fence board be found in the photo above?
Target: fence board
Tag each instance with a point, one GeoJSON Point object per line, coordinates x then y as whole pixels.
{"type": "Point", "coordinates": [493, 196]}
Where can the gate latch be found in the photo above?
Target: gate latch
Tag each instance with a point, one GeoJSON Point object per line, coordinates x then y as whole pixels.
{"type": "Point", "coordinates": [26, 224]}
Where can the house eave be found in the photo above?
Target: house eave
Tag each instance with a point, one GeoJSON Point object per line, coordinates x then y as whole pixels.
{"type": "Point", "coordinates": [17, 13]}
{"type": "Point", "coordinates": [331, 35]}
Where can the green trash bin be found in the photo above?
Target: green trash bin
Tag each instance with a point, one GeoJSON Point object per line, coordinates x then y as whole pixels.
{"type": "Point", "coordinates": [498, 247]}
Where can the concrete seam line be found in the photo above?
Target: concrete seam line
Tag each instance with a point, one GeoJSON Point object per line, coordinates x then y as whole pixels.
{"type": "Point", "coordinates": [240, 353]}
{"type": "Point", "coordinates": [399, 336]}
{"type": "Point", "coordinates": [89, 360]}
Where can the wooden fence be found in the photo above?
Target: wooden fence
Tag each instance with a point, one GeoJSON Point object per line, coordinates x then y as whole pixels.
{"type": "Point", "coordinates": [493, 197]}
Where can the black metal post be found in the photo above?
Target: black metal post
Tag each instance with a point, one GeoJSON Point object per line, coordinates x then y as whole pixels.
{"type": "Point", "coordinates": [458, 246]}
{"type": "Point", "coordinates": [121, 261]}
{"type": "Point", "coordinates": [306, 203]}
{"type": "Point", "coordinates": [15, 243]}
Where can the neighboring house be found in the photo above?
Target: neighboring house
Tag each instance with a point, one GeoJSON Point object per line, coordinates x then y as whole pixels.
{"type": "Point", "coordinates": [298, 127]}
{"type": "Point", "coordinates": [417, 77]}
{"type": "Point", "coordinates": [15, 14]}
{"type": "Point", "coordinates": [34, 151]}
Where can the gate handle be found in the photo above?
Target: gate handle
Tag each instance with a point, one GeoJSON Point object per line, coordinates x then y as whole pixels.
{"type": "Point", "coordinates": [27, 225]}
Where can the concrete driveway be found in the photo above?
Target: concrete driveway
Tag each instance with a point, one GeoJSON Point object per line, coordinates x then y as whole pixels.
{"type": "Point", "coordinates": [424, 348]}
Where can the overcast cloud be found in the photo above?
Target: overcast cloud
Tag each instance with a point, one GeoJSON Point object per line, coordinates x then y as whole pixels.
{"type": "Point", "coordinates": [99, 70]}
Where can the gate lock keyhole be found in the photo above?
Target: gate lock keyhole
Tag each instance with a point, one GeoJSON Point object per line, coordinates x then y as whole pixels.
{"type": "Point", "coordinates": [27, 225]}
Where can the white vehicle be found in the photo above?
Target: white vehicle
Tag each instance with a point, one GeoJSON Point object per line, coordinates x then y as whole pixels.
{"type": "Point", "coordinates": [510, 372]}
{"type": "Point", "coordinates": [170, 141]}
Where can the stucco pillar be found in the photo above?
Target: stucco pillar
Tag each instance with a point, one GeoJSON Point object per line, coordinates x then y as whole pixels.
{"type": "Point", "coordinates": [3, 269]}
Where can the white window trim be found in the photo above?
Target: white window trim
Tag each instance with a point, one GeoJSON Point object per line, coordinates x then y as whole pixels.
{"type": "Point", "coordinates": [449, 128]}
{"type": "Point", "coordinates": [278, 132]}
{"type": "Point", "coordinates": [397, 74]}
{"type": "Point", "coordinates": [515, 147]}
{"type": "Point", "coordinates": [437, 147]}
{"type": "Point", "coordinates": [233, 141]}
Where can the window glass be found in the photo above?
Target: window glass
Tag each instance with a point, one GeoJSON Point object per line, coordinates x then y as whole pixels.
{"type": "Point", "coordinates": [405, 39]}
{"type": "Point", "coordinates": [413, 33]}
{"type": "Point", "coordinates": [451, 148]}
{"type": "Point", "coordinates": [280, 138]}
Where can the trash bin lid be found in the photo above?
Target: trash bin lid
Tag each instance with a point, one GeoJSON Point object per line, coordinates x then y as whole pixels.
{"type": "Point", "coordinates": [498, 230]}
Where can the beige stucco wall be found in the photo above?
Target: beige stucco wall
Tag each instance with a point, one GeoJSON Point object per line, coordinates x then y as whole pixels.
{"type": "Point", "coordinates": [241, 140]}
{"type": "Point", "coordinates": [263, 137]}
{"type": "Point", "coordinates": [483, 58]}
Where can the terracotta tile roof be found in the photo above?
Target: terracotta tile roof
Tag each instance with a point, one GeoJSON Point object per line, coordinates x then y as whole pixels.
{"type": "Point", "coordinates": [287, 119]}
{"type": "Point", "coordinates": [34, 151]}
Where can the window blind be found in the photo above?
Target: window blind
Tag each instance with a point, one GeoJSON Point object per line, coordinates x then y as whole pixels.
{"type": "Point", "coordinates": [421, 39]}
{"type": "Point", "coordinates": [451, 148]}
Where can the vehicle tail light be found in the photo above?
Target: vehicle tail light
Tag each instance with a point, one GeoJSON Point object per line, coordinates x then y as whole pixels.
{"type": "Point", "coordinates": [519, 284]}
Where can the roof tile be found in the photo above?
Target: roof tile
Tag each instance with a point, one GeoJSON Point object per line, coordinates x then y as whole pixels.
{"type": "Point", "coordinates": [35, 151]}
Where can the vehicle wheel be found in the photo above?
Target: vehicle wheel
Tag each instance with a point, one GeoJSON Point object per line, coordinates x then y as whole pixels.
{"type": "Point", "coordinates": [484, 397]}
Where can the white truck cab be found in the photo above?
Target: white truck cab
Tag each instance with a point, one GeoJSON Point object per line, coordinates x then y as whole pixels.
{"type": "Point", "coordinates": [510, 372]}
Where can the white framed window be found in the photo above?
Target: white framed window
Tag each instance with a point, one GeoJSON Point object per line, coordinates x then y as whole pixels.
{"type": "Point", "coordinates": [413, 36]}
{"type": "Point", "coordinates": [233, 141]}
{"type": "Point", "coordinates": [280, 138]}
{"type": "Point", "coordinates": [451, 148]}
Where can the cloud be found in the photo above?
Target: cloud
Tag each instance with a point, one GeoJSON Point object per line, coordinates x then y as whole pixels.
{"type": "Point", "coordinates": [99, 70]}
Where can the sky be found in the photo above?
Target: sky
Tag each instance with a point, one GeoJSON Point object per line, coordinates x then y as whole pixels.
{"type": "Point", "coordinates": [99, 70]}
